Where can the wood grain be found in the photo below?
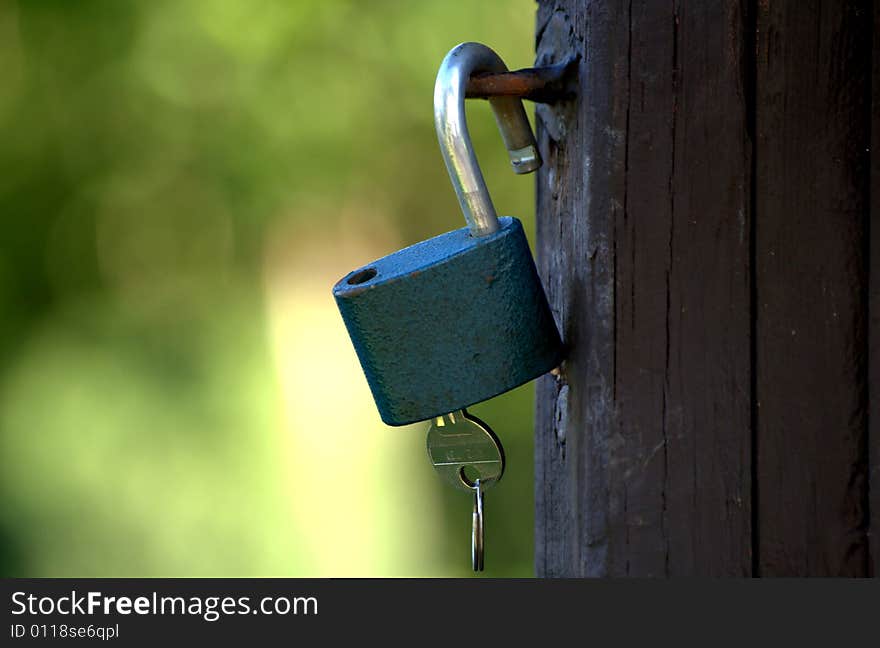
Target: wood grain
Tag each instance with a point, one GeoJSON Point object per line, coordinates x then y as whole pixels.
{"type": "Point", "coordinates": [812, 116]}
{"type": "Point", "coordinates": [581, 182]}
{"type": "Point", "coordinates": [644, 440]}
{"type": "Point", "coordinates": [874, 308]}
{"type": "Point", "coordinates": [703, 234]}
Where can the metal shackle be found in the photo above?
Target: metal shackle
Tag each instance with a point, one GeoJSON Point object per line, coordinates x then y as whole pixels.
{"type": "Point", "coordinates": [460, 64]}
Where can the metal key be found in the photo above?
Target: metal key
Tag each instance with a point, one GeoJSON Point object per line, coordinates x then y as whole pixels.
{"type": "Point", "coordinates": [468, 455]}
{"type": "Point", "coordinates": [477, 529]}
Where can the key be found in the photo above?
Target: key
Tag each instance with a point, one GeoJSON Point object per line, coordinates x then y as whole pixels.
{"type": "Point", "coordinates": [466, 454]}
{"type": "Point", "coordinates": [463, 448]}
{"type": "Point", "coordinates": [477, 529]}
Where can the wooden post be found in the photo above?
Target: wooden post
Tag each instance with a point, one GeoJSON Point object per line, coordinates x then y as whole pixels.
{"type": "Point", "coordinates": [703, 232]}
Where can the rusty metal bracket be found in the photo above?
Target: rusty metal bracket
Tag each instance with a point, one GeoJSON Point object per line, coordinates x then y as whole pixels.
{"type": "Point", "coordinates": [547, 84]}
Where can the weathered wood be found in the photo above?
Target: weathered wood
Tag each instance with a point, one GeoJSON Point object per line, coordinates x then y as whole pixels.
{"type": "Point", "coordinates": [703, 236]}
{"type": "Point", "coordinates": [874, 309]}
{"type": "Point", "coordinates": [579, 182]}
{"type": "Point", "coordinates": [812, 116]}
{"type": "Point", "coordinates": [643, 441]}
{"type": "Point", "coordinates": [708, 411]}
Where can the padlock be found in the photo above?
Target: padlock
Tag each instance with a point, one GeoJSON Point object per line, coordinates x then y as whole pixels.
{"type": "Point", "coordinates": [461, 317]}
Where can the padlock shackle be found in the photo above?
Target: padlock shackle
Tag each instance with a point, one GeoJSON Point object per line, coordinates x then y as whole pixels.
{"type": "Point", "coordinates": [460, 64]}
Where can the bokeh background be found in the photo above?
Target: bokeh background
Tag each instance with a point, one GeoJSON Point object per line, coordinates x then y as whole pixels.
{"type": "Point", "coordinates": [181, 184]}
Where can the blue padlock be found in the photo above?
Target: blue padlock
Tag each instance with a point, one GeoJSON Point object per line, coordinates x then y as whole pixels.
{"type": "Point", "coordinates": [461, 317]}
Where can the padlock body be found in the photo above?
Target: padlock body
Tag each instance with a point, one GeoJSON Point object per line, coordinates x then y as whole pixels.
{"type": "Point", "coordinates": [449, 322]}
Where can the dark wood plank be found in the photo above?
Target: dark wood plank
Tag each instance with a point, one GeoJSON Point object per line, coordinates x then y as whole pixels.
{"type": "Point", "coordinates": [643, 245]}
{"type": "Point", "coordinates": [874, 306]}
{"type": "Point", "coordinates": [708, 371]}
{"type": "Point", "coordinates": [643, 441]}
{"type": "Point", "coordinates": [579, 188]}
{"type": "Point", "coordinates": [813, 63]}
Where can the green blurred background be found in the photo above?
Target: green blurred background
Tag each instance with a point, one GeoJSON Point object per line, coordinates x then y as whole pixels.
{"type": "Point", "coordinates": [181, 184]}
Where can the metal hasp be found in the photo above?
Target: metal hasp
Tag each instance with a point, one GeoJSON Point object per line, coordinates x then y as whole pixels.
{"type": "Point", "coordinates": [461, 317]}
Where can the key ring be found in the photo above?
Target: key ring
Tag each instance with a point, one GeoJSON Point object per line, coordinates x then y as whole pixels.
{"type": "Point", "coordinates": [477, 529]}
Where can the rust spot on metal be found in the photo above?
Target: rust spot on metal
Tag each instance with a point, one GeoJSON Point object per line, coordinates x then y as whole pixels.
{"type": "Point", "coordinates": [540, 84]}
